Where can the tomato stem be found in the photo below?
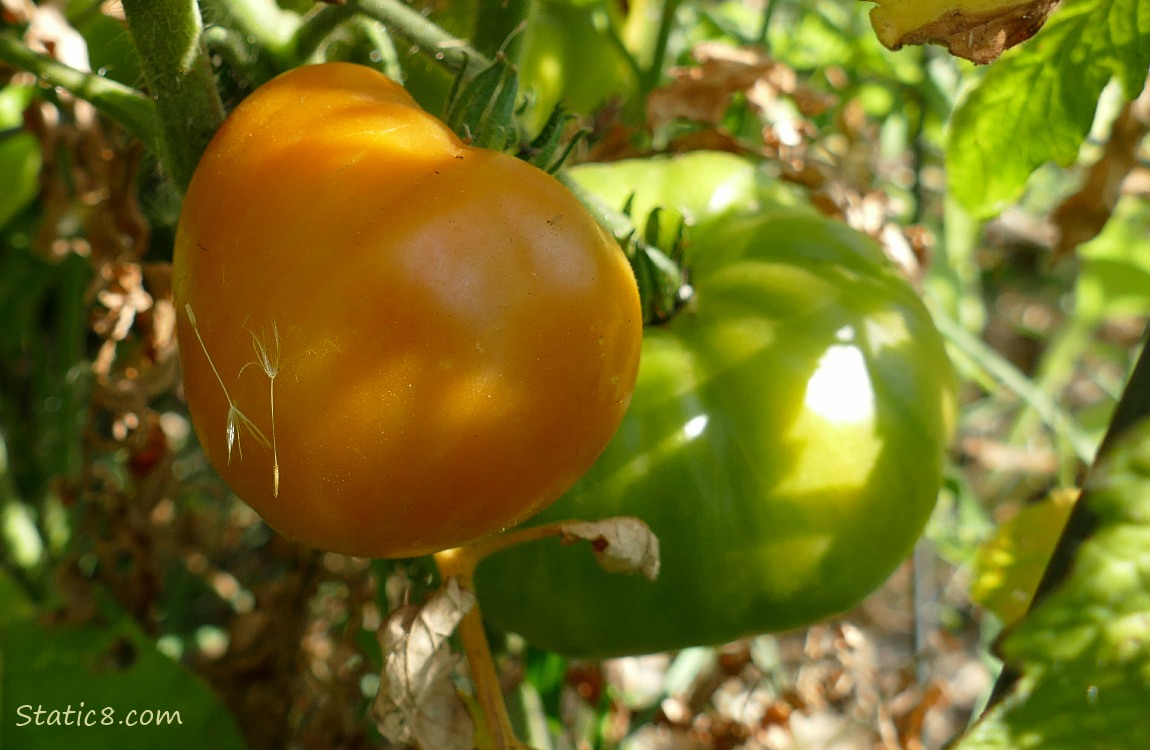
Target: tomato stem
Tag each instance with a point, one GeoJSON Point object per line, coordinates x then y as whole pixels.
{"type": "Point", "coordinates": [127, 106]}
{"type": "Point", "coordinates": [482, 548]}
{"type": "Point", "coordinates": [449, 51]}
{"type": "Point", "coordinates": [460, 563]}
{"type": "Point", "coordinates": [268, 27]}
{"type": "Point", "coordinates": [168, 36]}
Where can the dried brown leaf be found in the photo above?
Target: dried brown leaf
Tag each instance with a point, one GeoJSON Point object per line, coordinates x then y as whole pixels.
{"type": "Point", "coordinates": [976, 30]}
{"type": "Point", "coordinates": [123, 298]}
{"type": "Point", "coordinates": [1081, 216]}
{"type": "Point", "coordinates": [417, 700]}
{"type": "Point", "coordinates": [621, 545]}
{"type": "Point", "coordinates": [702, 93]}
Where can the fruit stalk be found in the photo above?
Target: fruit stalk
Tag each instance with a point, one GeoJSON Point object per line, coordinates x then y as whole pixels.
{"type": "Point", "coordinates": [168, 35]}
{"type": "Point", "coordinates": [460, 563]}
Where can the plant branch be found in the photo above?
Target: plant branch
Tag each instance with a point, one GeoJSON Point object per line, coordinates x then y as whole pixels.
{"type": "Point", "coordinates": [127, 106]}
{"type": "Point", "coordinates": [168, 36]}
{"type": "Point", "coordinates": [316, 27]}
{"type": "Point", "coordinates": [271, 28]}
{"type": "Point", "coordinates": [460, 563]}
{"type": "Point", "coordinates": [450, 51]}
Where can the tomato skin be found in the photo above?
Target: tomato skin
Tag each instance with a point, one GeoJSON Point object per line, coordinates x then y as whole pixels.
{"type": "Point", "coordinates": [457, 337]}
{"type": "Point", "coordinates": [785, 443]}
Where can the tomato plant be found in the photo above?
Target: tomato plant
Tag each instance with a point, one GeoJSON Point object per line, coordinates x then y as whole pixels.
{"type": "Point", "coordinates": [785, 442]}
{"type": "Point", "coordinates": [392, 342]}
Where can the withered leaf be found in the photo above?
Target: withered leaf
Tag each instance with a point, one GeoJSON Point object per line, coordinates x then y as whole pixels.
{"type": "Point", "coordinates": [1082, 216]}
{"type": "Point", "coordinates": [621, 545]}
{"type": "Point", "coordinates": [417, 701]}
{"type": "Point", "coordinates": [702, 93]}
{"type": "Point", "coordinates": [976, 30]}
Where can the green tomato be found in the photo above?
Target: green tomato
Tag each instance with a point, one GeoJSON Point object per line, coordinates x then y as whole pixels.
{"type": "Point", "coordinates": [785, 442]}
{"type": "Point", "coordinates": [697, 188]}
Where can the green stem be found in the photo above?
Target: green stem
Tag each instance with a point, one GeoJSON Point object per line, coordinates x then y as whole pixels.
{"type": "Point", "coordinates": [453, 53]}
{"type": "Point", "coordinates": [629, 59]}
{"type": "Point", "coordinates": [666, 24]}
{"type": "Point", "coordinates": [659, 277]}
{"type": "Point", "coordinates": [267, 26]}
{"type": "Point", "coordinates": [233, 47]}
{"type": "Point", "coordinates": [765, 24]}
{"type": "Point", "coordinates": [123, 104]}
{"type": "Point", "coordinates": [460, 563]}
{"type": "Point", "coordinates": [316, 27]}
{"type": "Point", "coordinates": [615, 222]}
{"type": "Point", "coordinates": [168, 37]}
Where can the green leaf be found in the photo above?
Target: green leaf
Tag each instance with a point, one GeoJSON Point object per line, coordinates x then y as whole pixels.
{"type": "Point", "coordinates": [1037, 103]}
{"type": "Point", "coordinates": [102, 672]}
{"type": "Point", "coordinates": [1084, 652]}
{"type": "Point", "coordinates": [482, 111]}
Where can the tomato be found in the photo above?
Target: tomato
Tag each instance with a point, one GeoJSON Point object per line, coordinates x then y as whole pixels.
{"type": "Point", "coordinates": [698, 187]}
{"type": "Point", "coordinates": [785, 442]}
{"type": "Point", "coordinates": [392, 343]}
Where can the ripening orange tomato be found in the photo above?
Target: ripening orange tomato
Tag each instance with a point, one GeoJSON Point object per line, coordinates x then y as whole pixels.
{"type": "Point", "coordinates": [392, 343]}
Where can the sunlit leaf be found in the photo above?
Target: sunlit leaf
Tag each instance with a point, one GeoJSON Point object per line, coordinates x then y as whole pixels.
{"type": "Point", "coordinates": [1037, 103]}
{"type": "Point", "coordinates": [1084, 652]}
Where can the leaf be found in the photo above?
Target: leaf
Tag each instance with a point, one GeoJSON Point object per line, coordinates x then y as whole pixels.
{"type": "Point", "coordinates": [1037, 103]}
{"type": "Point", "coordinates": [1084, 652]}
{"type": "Point", "coordinates": [621, 545]}
{"type": "Point", "coordinates": [417, 700]}
{"type": "Point", "coordinates": [1008, 566]}
{"type": "Point", "coordinates": [1082, 216]}
{"type": "Point", "coordinates": [977, 30]}
{"type": "Point", "coordinates": [703, 92]}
